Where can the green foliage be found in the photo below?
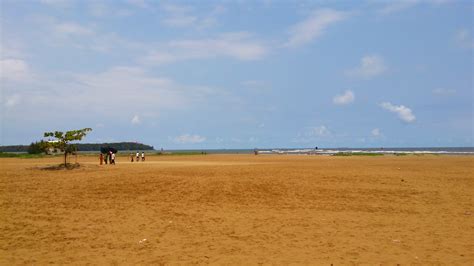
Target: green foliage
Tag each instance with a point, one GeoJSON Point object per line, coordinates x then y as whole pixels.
{"type": "Point", "coordinates": [20, 155]}
{"type": "Point", "coordinates": [37, 147]}
{"type": "Point", "coordinates": [121, 146]}
{"type": "Point", "coordinates": [62, 140]}
{"type": "Point", "coordinates": [14, 148]}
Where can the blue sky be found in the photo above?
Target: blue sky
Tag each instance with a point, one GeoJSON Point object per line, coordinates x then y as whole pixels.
{"type": "Point", "coordinates": [239, 74]}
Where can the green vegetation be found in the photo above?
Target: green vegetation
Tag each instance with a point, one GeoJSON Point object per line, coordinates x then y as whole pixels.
{"type": "Point", "coordinates": [20, 155]}
{"type": "Point", "coordinates": [121, 146]}
{"type": "Point", "coordinates": [14, 148]}
{"type": "Point", "coordinates": [63, 140]}
{"type": "Point", "coordinates": [400, 154]}
{"type": "Point", "coordinates": [37, 147]}
{"type": "Point", "coordinates": [357, 154]}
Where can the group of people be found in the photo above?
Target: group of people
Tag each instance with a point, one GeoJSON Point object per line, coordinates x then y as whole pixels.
{"type": "Point", "coordinates": [110, 157]}
{"type": "Point", "coordinates": [137, 156]}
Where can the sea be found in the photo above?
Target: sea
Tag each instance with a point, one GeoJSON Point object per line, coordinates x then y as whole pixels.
{"type": "Point", "coordinates": [331, 151]}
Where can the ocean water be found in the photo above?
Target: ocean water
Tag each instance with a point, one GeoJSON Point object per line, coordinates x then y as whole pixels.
{"type": "Point", "coordinates": [330, 151]}
{"type": "Point", "coordinates": [321, 151]}
{"type": "Point", "coordinates": [408, 150]}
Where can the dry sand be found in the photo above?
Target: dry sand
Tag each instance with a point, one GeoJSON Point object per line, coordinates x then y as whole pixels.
{"type": "Point", "coordinates": [239, 209]}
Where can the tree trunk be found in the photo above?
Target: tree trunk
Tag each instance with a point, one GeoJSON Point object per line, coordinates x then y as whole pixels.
{"type": "Point", "coordinates": [65, 157]}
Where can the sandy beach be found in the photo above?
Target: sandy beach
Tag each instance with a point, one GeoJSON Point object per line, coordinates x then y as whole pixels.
{"type": "Point", "coordinates": [239, 209]}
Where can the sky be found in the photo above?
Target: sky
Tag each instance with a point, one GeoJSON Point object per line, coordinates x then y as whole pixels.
{"type": "Point", "coordinates": [239, 74]}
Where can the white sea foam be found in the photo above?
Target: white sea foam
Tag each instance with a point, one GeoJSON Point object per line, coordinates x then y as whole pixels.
{"type": "Point", "coordinates": [356, 151]}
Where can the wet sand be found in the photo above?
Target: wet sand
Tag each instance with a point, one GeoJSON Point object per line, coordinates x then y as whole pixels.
{"type": "Point", "coordinates": [239, 209]}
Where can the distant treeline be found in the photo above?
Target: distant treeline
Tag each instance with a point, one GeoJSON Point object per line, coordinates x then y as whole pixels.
{"type": "Point", "coordinates": [121, 146]}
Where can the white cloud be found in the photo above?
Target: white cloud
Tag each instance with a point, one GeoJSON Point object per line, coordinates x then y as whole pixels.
{"type": "Point", "coordinates": [396, 6]}
{"type": "Point", "coordinates": [321, 131]}
{"type": "Point", "coordinates": [256, 85]}
{"type": "Point", "coordinates": [464, 39]}
{"type": "Point", "coordinates": [392, 7]}
{"type": "Point", "coordinates": [12, 100]}
{"type": "Point", "coordinates": [103, 9]}
{"type": "Point", "coordinates": [345, 98]}
{"type": "Point", "coordinates": [443, 91]}
{"type": "Point", "coordinates": [9, 49]}
{"type": "Point", "coordinates": [312, 27]}
{"type": "Point", "coordinates": [138, 3]}
{"type": "Point", "coordinates": [180, 16]}
{"type": "Point", "coordinates": [313, 134]}
{"type": "Point", "coordinates": [404, 113]}
{"type": "Point", "coordinates": [180, 21]}
{"type": "Point", "coordinates": [375, 132]}
{"type": "Point", "coordinates": [56, 33]}
{"type": "Point", "coordinates": [370, 66]}
{"type": "Point", "coordinates": [72, 28]}
{"type": "Point", "coordinates": [58, 3]}
{"type": "Point", "coordinates": [136, 120]}
{"type": "Point", "coordinates": [237, 45]}
{"type": "Point", "coordinates": [115, 93]}
{"type": "Point", "coordinates": [253, 139]}
{"type": "Point", "coordinates": [138, 89]}
{"type": "Point", "coordinates": [188, 139]}
{"type": "Point", "coordinates": [14, 70]}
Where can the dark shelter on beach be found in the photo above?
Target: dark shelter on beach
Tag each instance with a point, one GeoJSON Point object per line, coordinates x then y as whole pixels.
{"type": "Point", "coordinates": [106, 151]}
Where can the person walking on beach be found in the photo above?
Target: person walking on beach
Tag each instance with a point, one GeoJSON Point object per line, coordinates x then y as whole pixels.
{"type": "Point", "coordinates": [101, 158]}
{"type": "Point", "coordinates": [106, 158]}
{"type": "Point", "coordinates": [131, 157]}
{"type": "Point", "coordinates": [112, 158]}
{"type": "Point", "coordinates": [143, 156]}
{"type": "Point", "coordinates": [138, 156]}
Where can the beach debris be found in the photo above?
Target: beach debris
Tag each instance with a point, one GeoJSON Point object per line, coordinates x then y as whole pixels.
{"type": "Point", "coordinates": [142, 241]}
{"type": "Point", "coordinates": [396, 241]}
{"type": "Point", "coordinates": [403, 180]}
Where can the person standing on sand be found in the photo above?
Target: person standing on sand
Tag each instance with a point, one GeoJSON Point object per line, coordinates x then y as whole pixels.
{"type": "Point", "coordinates": [138, 156]}
{"type": "Point", "coordinates": [101, 158]}
{"type": "Point", "coordinates": [106, 158]}
{"type": "Point", "coordinates": [143, 156]}
{"type": "Point", "coordinates": [112, 158]}
{"type": "Point", "coordinates": [131, 157]}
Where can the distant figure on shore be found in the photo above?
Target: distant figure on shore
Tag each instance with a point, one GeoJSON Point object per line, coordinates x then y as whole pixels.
{"type": "Point", "coordinates": [255, 151]}
{"type": "Point", "coordinates": [101, 158]}
{"type": "Point", "coordinates": [131, 157]}
{"type": "Point", "coordinates": [138, 156]}
{"type": "Point", "coordinates": [112, 158]}
{"type": "Point", "coordinates": [106, 158]}
{"type": "Point", "coordinates": [143, 156]}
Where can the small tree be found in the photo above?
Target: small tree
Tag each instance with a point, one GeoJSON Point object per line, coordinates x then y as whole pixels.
{"type": "Point", "coordinates": [37, 147]}
{"type": "Point", "coordinates": [62, 140]}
